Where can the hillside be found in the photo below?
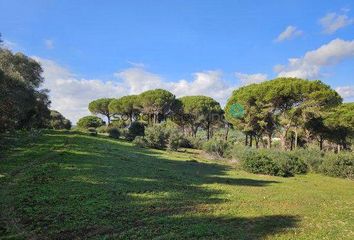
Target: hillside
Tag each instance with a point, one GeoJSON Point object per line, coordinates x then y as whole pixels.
{"type": "Point", "coordinates": [67, 185]}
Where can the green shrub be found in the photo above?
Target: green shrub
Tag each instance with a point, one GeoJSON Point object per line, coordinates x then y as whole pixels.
{"type": "Point", "coordinates": [157, 136]}
{"type": "Point", "coordinates": [215, 147]}
{"type": "Point", "coordinates": [339, 165]}
{"type": "Point", "coordinates": [90, 122]}
{"type": "Point", "coordinates": [269, 161]}
{"type": "Point", "coordinates": [312, 157]}
{"type": "Point", "coordinates": [174, 139]}
{"type": "Point", "coordinates": [92, 131]}
{"type": "Point", "coordinates": [259, 163]}
{"type": "Point", "coordinates": [134, 130]}
{"type": "Point", "coordinates": [102, 129]}
{"type": "Point", "coordinates": [191, 142]}
{"type": "Point", "coordinates": [140, 141]}
{"type": "Point", "coordinates": [113, 132]}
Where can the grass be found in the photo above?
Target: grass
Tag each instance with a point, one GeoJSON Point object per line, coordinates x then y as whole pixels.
{"type": "Point", "coordinates": [73, 186]}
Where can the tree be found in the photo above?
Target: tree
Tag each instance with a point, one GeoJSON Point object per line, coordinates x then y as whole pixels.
{"type": "Point", "coordinates": [90, 122]}
{"type": "Point", "coordinates": [126, 106]}
{"type": "Point", "coordinates": [58, 121]}
{"type": "Point", "coordinates": [100, 106]}
{"type": "Point", "coordinates": [340, 124]}
{"type": "Point", "coordinates": [282, 104]}
{"type": "Point", "coordinates": [22, 104]}
{"type": "Point", "coordinates": [200, 112]}
{"type": "Point", "coordinates": [157, 104]}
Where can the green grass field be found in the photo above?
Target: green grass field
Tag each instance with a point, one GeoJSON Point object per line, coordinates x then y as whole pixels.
{"type": "Point", "coordinates": [73, 186]}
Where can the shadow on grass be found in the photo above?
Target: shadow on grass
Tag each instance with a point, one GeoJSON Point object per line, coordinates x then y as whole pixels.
{"type": "Point", "coordinates": [95, 187]}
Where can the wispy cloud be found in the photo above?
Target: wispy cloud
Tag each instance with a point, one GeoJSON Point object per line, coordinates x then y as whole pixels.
{"type": "Point", "coordinates": [347, 92]}
{"type": "Point", "coordinates": [332, 22]}
{"type": "Point", "coordinates": [289, 33]}
{"type": "Point", "coordinates": [49, 44]}
{"type": "Point", "coordinates": [246, 79]}
{"type": "Point", "coordinates": [310, 64]}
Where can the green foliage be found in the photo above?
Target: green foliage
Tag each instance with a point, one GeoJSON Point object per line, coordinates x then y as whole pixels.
{"type": "Point", "coordinates": [102, 129]}
{"type": "Point", "coordinates": [174, 139]}
{"type": "Point", "coordinates": [191, 142]}
{"type": "Point", "coordinates": [279, 105]}
{"type": "Point", "coordinates": [156, 103]}
{"type": "Point", "coordinates": [90, 122]}
{"type": "Point", "coordinates": [339, 165]}
{"type": "Point", "coordinates": [134, 130]}
{"type": "Point", "coordinates": [126, 107]}
{"type": "Point", "coordinates": [140, 141]}
{"type": "Point", "coordinates": [199, 112]}
{"type": "Point", "coordinates": [216, 147]}
{"type": "Point", "coordinates": [91, 131]}
{"type": "Point", "coordinates": [64, 181]}
{"type": "Point", "coordinates": [113, 132]}
{"type": "Point", "coordinates": [23, 105]}
{"type": "Point", "coordinates": [157, 136]}
{"type": "Point", "coordinates": [58, 121]}
{"type": "Point", "coordinates": [270, 162]}
{"type": "Point", "coordinates": [100, 106]}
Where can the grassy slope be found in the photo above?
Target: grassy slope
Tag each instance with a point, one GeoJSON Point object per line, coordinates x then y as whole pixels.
{"type": "Point", "coordinates": [67, 186]}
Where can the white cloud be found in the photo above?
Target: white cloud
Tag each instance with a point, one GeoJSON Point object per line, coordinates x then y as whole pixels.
{"type": "Point", "coordinates": [251, 78]}
{"type": "Point", "coordinates": [9, 44]}
{"type": "Point", "coordinates": [49, 44]}
{"type": "Point", "coordinates": [334, 21]}
{"type": "Point", "coordinates": [70, 94]}
{"type": "Point", "coordinates": [310, 64]}
{"type": "Point", "coordinates": [347, 92]}
{"type": "Point", "coordinates": [288, 33]}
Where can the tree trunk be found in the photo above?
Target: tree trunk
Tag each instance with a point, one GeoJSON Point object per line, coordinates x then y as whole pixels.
{"type": "Point", "coordinates": [246, 140]}
{"type": "Point", "coordinates": [251, 140]}
{"type": "Point", "coordinates": [208, 131]}
{"type": "Point", "coordinates": [338, 148]}
{"type": "Point", "coordinates": [269, 140]}
{"type": "Point", "coordinates": [108, 119]}
{"type": "Point", "coordinates": [227, 132]}
{"type": "Point", "coordinates": [321, 143]}
{"type": "Point", "coordinates": [295, 143]}
{"type": "Point", "coordinates": [256, 138]}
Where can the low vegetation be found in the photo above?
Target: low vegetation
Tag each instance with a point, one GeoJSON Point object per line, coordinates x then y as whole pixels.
{"type": "Point", "coordinates": [68, 185]}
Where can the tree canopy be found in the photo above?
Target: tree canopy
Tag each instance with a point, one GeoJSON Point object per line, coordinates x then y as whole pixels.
{"type": "Point", "coordinates": [100, 106]}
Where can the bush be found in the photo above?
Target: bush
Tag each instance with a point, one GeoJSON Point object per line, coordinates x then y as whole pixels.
{"type": "Point", "coordinates": [113, 132]}
{"type": "Point", "coordinates": [156, 136]}
{"type": "Point", "coordinates": [134, 130]}
{"type": "Point", "coordinates": [191, 142]}
{"type": "Point", "coordinates": [90, 122]}
{"type": "Point", "coordinates": [92, 131]}
{"type": "Point", "coordinates": [102, 129]}
{"type": "Point", "coordinates": [174, 139]}
{"type": "Point", "coordinates": [339, 165]}
{"type": "Point", "coordinates": [270, 162]}
{"type": "Point", "coordinates": [311, 157]}
{"type": "Point", "coordinates": [215, 147]}
{"type": "Point", "coordinates": [140, 141]}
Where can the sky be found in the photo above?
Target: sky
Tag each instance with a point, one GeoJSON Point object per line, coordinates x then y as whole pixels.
{"type": "Point", "coordinates": [93, 49]}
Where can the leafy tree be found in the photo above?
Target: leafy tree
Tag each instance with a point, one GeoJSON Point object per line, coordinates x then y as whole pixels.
{"type": "Point", "coordinates": [90, 122]}
{"type": "Point", "coordinates": [100, 106]}
{"type": "Point", "coordinates": [282, 104]}
{"type": "Point", "coordinates": [200, 112]}
{"type": "Point", "coordinates": [340, 124]}
{"type": "Point", "coordinates": [156, 104]}
{"type": "Point", "coordinates": [58, 121]}
{"type": "Point", "coordinates": [126, 107]}
{"type": "Point", "coordinates": [22, 104]}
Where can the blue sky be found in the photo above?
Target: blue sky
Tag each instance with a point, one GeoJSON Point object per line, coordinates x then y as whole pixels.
{"type": "Point", "coordinates": [96, 48]}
